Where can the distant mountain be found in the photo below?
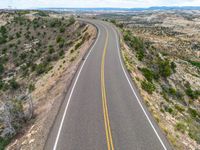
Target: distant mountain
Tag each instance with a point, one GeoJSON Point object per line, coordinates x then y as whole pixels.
{"type": "Point", "coordinates": [175, 8]}
{"type": "Point", "coordinates": [123, 9]}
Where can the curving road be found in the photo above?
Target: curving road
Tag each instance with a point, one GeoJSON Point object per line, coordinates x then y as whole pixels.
{"type": "Point", "coordinates": [103, 110]}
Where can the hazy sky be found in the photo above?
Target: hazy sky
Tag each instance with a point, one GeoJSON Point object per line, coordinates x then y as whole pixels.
{"type": "Point", "coordinates": [95, 3]}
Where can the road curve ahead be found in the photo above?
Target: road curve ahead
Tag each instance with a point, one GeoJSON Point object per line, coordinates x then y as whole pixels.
{"type": "Point", "coordinates": [102, 109]}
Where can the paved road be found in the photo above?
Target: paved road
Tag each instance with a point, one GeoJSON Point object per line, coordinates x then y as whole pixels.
{"type": "Point", "coordinates": [103, 110]}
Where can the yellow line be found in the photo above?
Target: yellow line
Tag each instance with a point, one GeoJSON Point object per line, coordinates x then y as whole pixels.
{"type": "Point", "coordinates": [105, 122]}
{"type": "Point", "coordinates": [109, 140]}
{"type": "Point", "coordinates": [109, 129]}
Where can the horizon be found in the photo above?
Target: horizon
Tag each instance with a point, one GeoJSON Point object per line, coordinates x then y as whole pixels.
{"type": "Point", "coordinates": [31, 4]}
{"type": "Point", "coordinates": [156, 7]}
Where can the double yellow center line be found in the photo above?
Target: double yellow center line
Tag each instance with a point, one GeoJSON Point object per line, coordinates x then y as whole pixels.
{"type": "Point", "coordinates": [104, 101]}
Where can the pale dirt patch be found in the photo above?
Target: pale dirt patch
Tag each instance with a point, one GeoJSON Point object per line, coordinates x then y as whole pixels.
{"type": "Point", "coordinates": [4, 18]}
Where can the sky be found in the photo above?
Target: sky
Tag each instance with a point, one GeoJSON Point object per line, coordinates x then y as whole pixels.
{"type": "Point", "coordinates": [22, 4]}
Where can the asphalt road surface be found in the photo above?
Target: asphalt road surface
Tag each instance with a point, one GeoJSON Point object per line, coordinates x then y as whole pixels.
{"type": "Point", "coordinates": [102, 109]}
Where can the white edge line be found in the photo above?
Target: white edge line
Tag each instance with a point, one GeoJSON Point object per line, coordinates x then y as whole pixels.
{"type": "Point", "coordinates": [136, 94]}
{"type": "Point", "coordinates": [69, 99]}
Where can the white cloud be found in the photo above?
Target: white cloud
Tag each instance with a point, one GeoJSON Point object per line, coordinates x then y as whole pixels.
{"type": "Point", "coordinates": [95, 3]}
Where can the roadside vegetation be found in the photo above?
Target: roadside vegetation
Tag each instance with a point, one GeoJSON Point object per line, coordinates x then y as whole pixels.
{"type": "Point", "coordinates": [178, 101]}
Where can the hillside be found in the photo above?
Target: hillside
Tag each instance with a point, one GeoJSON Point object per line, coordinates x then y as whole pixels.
{"type": "Point", "coordinates": [39, 53]}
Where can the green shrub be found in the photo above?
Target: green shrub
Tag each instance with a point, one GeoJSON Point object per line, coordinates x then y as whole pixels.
{"type": "Point", "coordinates": [31, 87]}
{"type": "Point", "coordinates": [173, 66]}
{"type": "Point", "coordinates": [120, 25]}
{"type": "Point", "coordinates": [179, 108]}
{"type": "Point", "coordinates": [5, 86]}
{"type": "Point", "coordinates": [72, 50]}
{"type": "Point", "coordinates": [136, 43]}
{"type": "Point", "coordinates": [113, 21]}
{"type": "Point", "coordinates": [61, 53]}
{"type": "Point", "coordinates": [48, 58]}
{"type": "Point", "coordinates": [1, 69]}
{"type": "Point", "coordinates": [20, 19]}
{"type": "Point", "coordinates": [140, 55]}
{"type": "Point", "coordinates": [148, 86]}
{"type": "Point", "coordinates": [77, 45]}
{"type": "Point", "coordinates": [148, 74]}
{"type": "Point", "coordinates": [4, 50]}
{"type": "Point", "coordinates": [169, 109]}
{"type": "Point", "coordinates": [3, 30]}
{"type": "Point", "coordinates": [61, 44]}
{"type": "Point", "coordinates": [33, 66]}
{"type": "Point", "coordinates": [4, 59]}
{"type": "Point", "coordinates": [11, 45]}
{"type": "Point", "coordinates": [179, 95]}
{"type": "Point", "coordinates": [165, 96]}
{"type": "Point", "coordinates": [181, 127]}
{"type": "Point", "coordinates": [38, 34]}
{"type": "Point", "coordinates": [23, 56]}
{"type": "Point", "coordinates": [14, 85]}
{"type": "Point", "coordinates": [127, 36]}
{"type": "Point", "coordinates": [3, 39]}
{"type": "Point", "coordinates": [42, 68]}
{"type": "Point", "coordinates": [18, 35]}
{"type": "Point", "coordinates": [52, 24]}
{"type": "Point", "coordinates": [11, 37]}
{"type": "Point", "coordinates": [195, 63]}
{"type": "Point", "coordinates": [133, 41]}
{"type": "Point", "coordinates": [23, 12]}
{"type": "Point", "coordinates": [194, 134]}
{"type": "Point", "coordinates": [18, 42]}
{"type": "Point", "coordinates": [4, 142]}
{"type": "Point", "coordinates": [193, 113]}
{"type": "Point", "coordinates": [1, 84]}
{"type": "Point", "coordinates": [62, 29]}
{"type": "Point", "coordinates": [58, 39]}
{"type": "Point", "coordinates": [51, 49]}
{"type": "Point", "coordinates": [55, 23]}
{"type": "Point", "coordinates": [39, 44]}
{"type": "Point", "coordinates": [164, 68]}
{"type": "Point", "coordinates": [172, 91]}
{"type": "Point", "coordinates": [72, 59]}
{"type": "Point", "coordinates": [71, 21]}
{"type": "Point", "coordinates": [81, 42]}
{"type": "Point", "coordinates": [191, 93]}
{"type": "Point", "coordinates": [17, 107]}
{"type": "Point", "coordinates": [42, 14]}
